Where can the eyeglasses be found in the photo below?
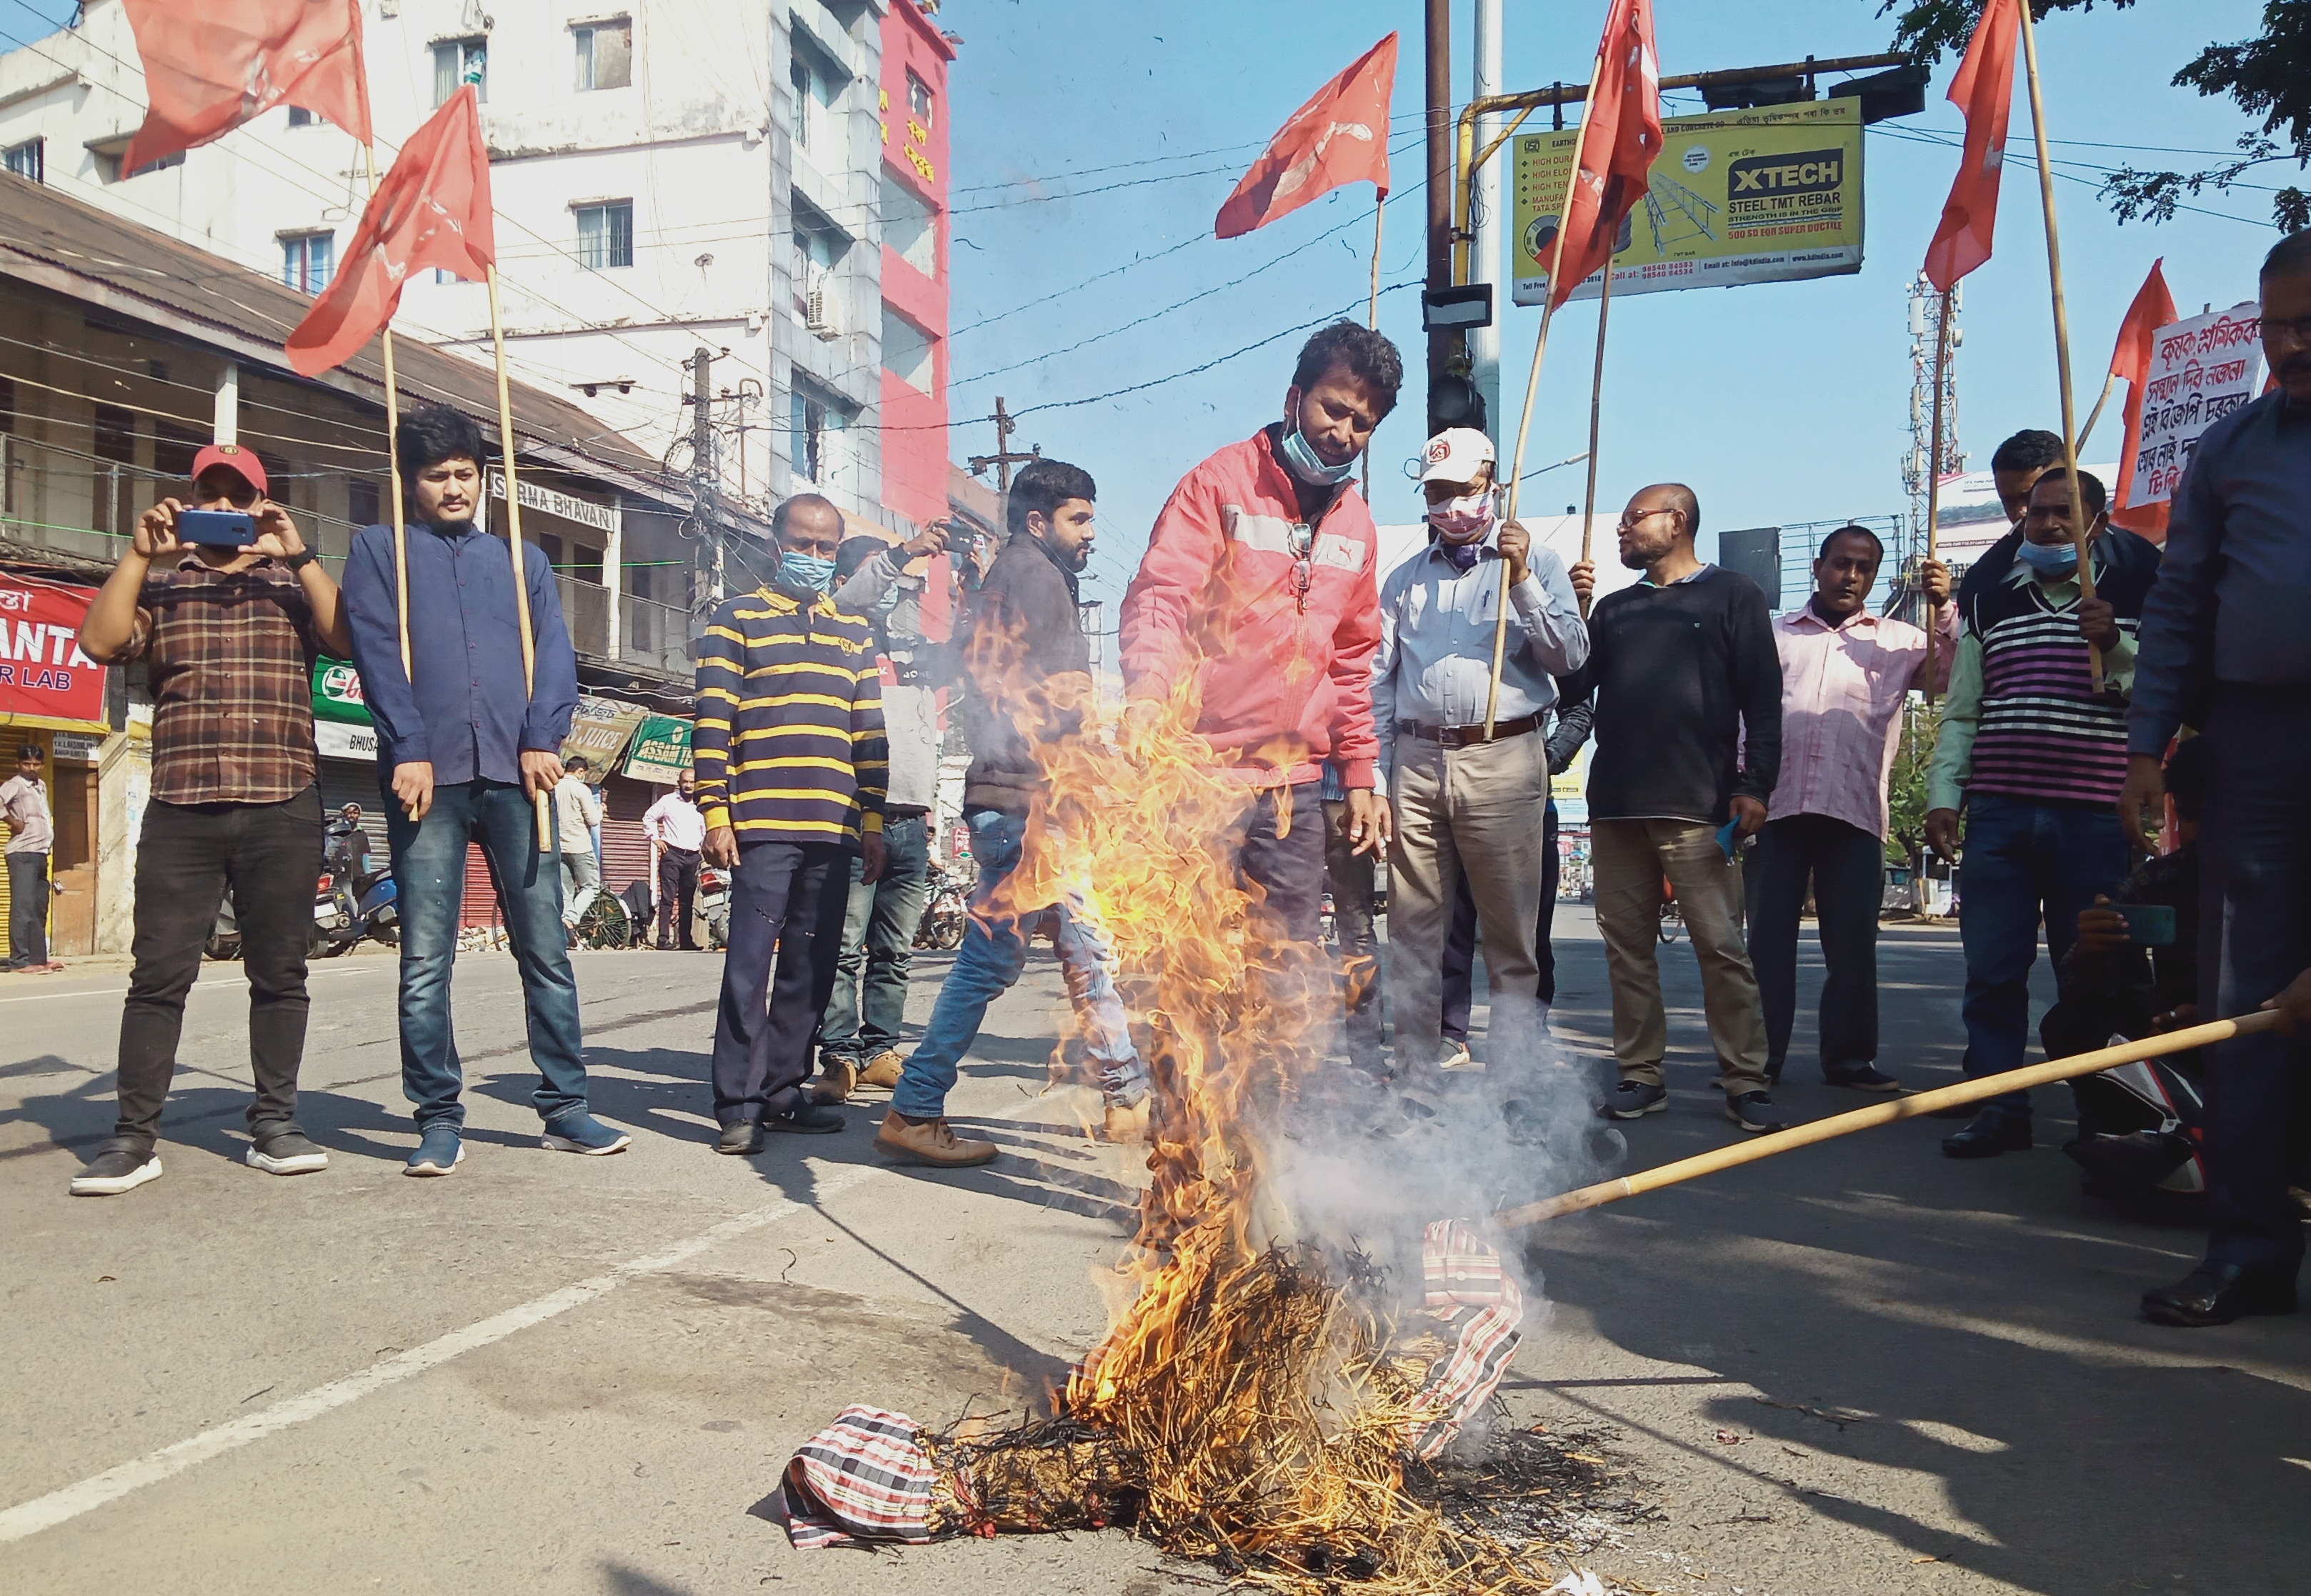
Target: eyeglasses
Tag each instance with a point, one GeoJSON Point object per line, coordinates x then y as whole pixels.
{"type": "Point", "coordinates": [1629, 523]}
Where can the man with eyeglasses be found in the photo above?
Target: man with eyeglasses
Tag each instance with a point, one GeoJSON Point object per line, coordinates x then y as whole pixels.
{"type": "Point", "coordinates": [2224, 648]}
{"type": "Point", "coordinates": [1466, 793]}
{"type": "Point", "coordinates": [1688, 746]}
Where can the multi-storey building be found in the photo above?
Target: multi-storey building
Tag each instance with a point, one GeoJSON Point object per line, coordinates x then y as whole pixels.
{"type": "Point", "coordinates": [764, 179]}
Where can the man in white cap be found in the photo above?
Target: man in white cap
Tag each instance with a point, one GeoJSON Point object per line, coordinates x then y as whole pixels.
{"type": "Point", "coordinates": [1464, 798]}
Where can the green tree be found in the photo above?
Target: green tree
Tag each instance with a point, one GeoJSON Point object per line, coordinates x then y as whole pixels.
{"type": "Point", "coordinates": [2268, 76]}
{"type": "Point", "coordinates": [1906, 793]}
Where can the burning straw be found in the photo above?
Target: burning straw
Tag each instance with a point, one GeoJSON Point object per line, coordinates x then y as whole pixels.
{"type": "Point", "coordinates": [1262, 1388]}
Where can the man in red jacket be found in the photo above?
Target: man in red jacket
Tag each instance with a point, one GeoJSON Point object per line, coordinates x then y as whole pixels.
{"type": "Point", "coordinates": [1258, 581]}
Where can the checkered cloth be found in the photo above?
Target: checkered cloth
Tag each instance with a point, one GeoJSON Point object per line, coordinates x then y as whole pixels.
{"type": "Point", "coordinates": [1477, 1308]}
{"type": "Point", "coordinates": [865, 1477]}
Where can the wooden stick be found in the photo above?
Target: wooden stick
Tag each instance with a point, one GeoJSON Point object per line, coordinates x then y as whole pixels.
{"type": "Point", "coordinates": [393, 469]}
{"type": "Point", "coordinates": [1596, 403]}
{"type": "Point", "coordinates": [2095, 415]}
{"type": "Point", "coordinates": [513, 533]}
{"type": "Point", "coordinates": [1883, 1114]}
{"type": "Point", "coordinates": [1372, 312]}
{"type": "Point", "coordinates": [2062, 328]}
{"type": "Point", "coordinates": [1934, 478]}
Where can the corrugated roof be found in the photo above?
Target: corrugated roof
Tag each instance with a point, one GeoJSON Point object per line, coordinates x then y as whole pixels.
{"type": "Point", "coordinates": [72, 247]}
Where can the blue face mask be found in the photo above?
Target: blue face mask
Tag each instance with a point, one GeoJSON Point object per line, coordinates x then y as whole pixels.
{"type": "Point", "coordinates": [1301, 458]}
{"type": "Point", "coordinates": [2050, 559]}
{"type": "Point", "coordinates": [808, 574]}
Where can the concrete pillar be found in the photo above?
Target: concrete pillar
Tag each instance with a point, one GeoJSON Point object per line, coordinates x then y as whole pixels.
{"type": "Point", "coordinates": [1488, 222]}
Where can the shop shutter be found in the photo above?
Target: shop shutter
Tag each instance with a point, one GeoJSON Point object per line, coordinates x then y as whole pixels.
{"type": "Point", "coordinates": [480, 906]}
{"type": "Point", "coordinates": [354, 781]}
{"type": "Point", "coordinates": [625, 850]}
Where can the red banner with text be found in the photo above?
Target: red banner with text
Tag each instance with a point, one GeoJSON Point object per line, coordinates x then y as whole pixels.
{"type": "Point", "coordinates": [44, 677]}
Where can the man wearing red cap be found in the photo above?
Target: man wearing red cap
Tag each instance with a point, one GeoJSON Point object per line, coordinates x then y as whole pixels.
{"type": "Point", "coordinates": [229, 632]}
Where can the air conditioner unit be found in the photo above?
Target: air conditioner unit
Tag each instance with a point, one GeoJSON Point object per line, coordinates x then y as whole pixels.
{"type": "Point", "coordinates": [818, 315]}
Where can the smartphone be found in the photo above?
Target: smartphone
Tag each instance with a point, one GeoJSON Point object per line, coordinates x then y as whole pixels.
{"type": "Point", "coordinates": [2147, 925]}
{"type": "Point", "coordinates": [230, 528]}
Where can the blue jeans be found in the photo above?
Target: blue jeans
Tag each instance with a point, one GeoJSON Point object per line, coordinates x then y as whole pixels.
{"type": "Point", "coordinates": [994, 951]}
{"type": "Point", "coordinates": [429, 874]}
{"type": "Point", "coordinates": [878, 941]}
{"type": "Point", "coordinates": [2024, 859]}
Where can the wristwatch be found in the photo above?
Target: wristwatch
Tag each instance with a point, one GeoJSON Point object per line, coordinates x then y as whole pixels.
{"type": "Point", "coordinates": [300, 560]}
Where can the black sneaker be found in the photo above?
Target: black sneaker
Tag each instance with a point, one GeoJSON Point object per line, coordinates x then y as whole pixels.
{"type": "Point", "coordinates": [810, 1120]}
{"type": "Point", "coordinates": [120, 1166]}
{"type": "Point", "coordinates": [286, 1152]}
{"type": "Point", "coordinates": [1634, 1099]}
{"type": "Point", "coordinates": [1860, 1078]}
{"type": "Point", "coordinates": [1754, 1112]}
{"type": "Point", "coordinates": [741, 1141]}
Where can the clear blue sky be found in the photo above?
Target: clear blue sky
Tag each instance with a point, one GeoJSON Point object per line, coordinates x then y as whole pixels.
{"type": "Point", "coordinates": [1782, 403]}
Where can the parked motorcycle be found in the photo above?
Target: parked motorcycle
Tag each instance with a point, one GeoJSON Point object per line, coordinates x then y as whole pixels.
{"type": "Point", "coordinates": [352, 900]}
{"type": "Point", "coordinates": [713, 905]}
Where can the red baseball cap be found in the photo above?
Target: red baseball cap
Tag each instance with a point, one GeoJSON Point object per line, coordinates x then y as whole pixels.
{"type": "Point", "coordinates": [233, 457]}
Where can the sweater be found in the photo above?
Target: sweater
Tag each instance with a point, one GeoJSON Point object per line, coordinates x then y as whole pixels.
{"type": "Point", "coordinates": [789, 744]}
{"type": "Point", "coordinates": [1024, 630]}
{"type": "Point", "coordinates": [1688, 698]}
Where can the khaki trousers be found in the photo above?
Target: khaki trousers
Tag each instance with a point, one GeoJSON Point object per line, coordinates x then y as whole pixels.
{"type": "Point", "coordinates": [1629, 857]}
{"type": "Point", "coordinates": [1476, 811]}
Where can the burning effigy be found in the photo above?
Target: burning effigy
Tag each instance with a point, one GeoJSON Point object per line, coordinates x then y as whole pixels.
{"type": "Point", "coordinates": [1270, 1375]}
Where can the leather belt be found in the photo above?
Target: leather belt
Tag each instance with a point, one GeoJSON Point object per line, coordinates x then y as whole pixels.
{"type": "Point", "coordinates": [1468, 736]}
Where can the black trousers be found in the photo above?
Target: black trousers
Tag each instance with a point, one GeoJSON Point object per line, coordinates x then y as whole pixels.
{"type": "Point", "coordinates": [791, 897]}
{"type": "Point", "coordinates": [28, 910]}
{"type": "Point", "coordinates": [188, 854]}
{"type": "Point", "coordinates": [2255, 915]}
{"type": "Point", "coordinates": [677, 896]}
{"type": "Point", "coordinates": [1460, 939]}
{"type": "Point", "coordinates": [1351, 875]}
{"type": "Point", "coordinates": [1847, 867]}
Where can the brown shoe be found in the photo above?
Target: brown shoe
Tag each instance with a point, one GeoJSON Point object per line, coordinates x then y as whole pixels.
{"type": "Point", "coordinates": [883, 1070]}
{"type": "Point", "coordinates": [836, 1079]}
{"type": "Point", "coordinates": [1124, 1125]}
{"type": "Point", "coordinates": [930, 1141]}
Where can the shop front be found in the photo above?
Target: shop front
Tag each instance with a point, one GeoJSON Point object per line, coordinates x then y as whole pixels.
{"type": "Point", "coordinates": [52, 701]}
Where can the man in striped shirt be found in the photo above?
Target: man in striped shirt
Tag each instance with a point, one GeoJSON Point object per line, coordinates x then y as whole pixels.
{"type": "Point", "coordinates": [2036, 756]}
{"type": "Point", "coordinates": [792, 767]}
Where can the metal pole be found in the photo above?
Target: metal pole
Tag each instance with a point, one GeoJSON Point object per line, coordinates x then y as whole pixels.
{"type": "Point", "coordinates": [1440, 174]}
{"type": "Point", "coordinates": [1486, 218]}
{"type": "Point", "coordinates": [701, 470]}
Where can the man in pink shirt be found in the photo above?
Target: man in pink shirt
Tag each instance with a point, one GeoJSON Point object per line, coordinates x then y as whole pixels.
{"type": "Point", "coordinates": [1845, 674]}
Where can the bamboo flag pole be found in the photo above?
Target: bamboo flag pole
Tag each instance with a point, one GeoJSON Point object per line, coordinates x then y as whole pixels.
{"type": "Point", "coordinates": [1532, 388]}
{"type": "Point", "coordinates": [393, 468]}
{"type": "Point", "coordinates": [513, 533]}
{"type": "Point", "coordinates": [1882, 1113]}
{"type": "Point", "coordinates": [2062, 326]}
{"type": "Point", "coordinates": [2095, 415]}
{"type": "Point", "coordinates": [1934, 479]}
{"type": "Point", "coordinates": [1372, 311]}
{"type": "Point", "coordinates": [1596, 410]}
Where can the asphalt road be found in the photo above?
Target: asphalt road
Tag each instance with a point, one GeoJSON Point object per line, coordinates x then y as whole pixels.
{"type": "Point", "coordinates": [1858, 1368]}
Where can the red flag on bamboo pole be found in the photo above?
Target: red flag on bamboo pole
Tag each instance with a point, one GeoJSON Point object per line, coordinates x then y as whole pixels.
{"type": "Point", "coordinates": [212, 64]}
{"type": "Point", "coordinates": [1983, 90]}
{"type": "Point", "coordinates": [433, 209]}
{"type": "Point", "coordinates": [2153, 307]}
{"type": "Point", "coordinates": [1339, 136]}
{"type": "Point", "coordinates": [1620, 138]}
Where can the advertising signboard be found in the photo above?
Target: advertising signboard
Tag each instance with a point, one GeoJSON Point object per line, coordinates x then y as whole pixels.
{"type": "Point", "coordinates": [600, 731]}
{"type": "Point", "coordinates": [1771, 194]}
{"type": "Point", "coordinates": [337, 693]}
{"type": "Point", "coordinates": [45, 680]}
{"type": "Point", "coordinates": [661, 750]}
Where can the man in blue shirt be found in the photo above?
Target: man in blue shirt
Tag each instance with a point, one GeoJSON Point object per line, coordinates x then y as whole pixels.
{"type": "Point", "coordinates": [463, 750]}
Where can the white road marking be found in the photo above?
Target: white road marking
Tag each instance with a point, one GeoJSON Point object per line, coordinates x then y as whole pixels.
{"type": "Point", "coordinates": [223, 981]}
{"type": "Point", "coordinates": [46, 1513]}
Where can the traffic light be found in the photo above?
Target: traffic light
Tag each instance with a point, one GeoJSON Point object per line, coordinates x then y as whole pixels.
{"type": "Point", "coordinates": [1453, 401]}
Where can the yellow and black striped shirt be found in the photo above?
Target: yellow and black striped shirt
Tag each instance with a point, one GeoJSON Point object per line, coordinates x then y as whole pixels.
{"type": "Point", "coordinates": [788, 745]}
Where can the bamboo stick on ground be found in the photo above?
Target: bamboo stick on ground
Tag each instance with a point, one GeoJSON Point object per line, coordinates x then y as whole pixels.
{"type": "Point", "coordinates": [1882, 1113]}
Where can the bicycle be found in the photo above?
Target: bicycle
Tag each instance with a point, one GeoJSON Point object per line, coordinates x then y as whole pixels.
{"type": "Point", "coordinates": [1672, 918]}
{"type": "Point", "coordinates": [606, 924]}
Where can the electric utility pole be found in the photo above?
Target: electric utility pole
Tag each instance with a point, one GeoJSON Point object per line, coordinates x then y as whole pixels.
{"type": "Point", "coordinates": [707, 583]}
{"type": "Point", "coordinates": [1004, 457]}
{"type": "Point", "coordinates": [1442, 342]}
{"type": "Point", "coordinates": [1919, 467]}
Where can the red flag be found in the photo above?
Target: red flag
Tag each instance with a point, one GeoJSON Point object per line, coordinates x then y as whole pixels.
{"type": "Point", "coordinates": [212, 64]}
{"type": "Point", "coordinates": [2153, 309]}
{"type": "Point", "coordinates": [1983, 90]}
{"type": "Point", "coordinates": [1620, 138]}
{"type": "Point", "coordinates": [1339, 136]}
{"type": "Point", "coordinates": [433, 209]}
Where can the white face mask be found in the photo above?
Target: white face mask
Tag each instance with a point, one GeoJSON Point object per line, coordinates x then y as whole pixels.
{"type": "Point", "coordinates": [1464, 519]}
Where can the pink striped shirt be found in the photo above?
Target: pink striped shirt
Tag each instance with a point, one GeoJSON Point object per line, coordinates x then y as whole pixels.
{"type": "Point", "coordinates": [1842, 692]}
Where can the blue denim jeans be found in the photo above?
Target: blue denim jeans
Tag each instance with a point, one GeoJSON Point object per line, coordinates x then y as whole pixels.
{"type": "Point", "coordinates": [878, 941]}
{"type": "Point", "coordinates": [994, 951]}
{"type": "Point", "coordinates": [2024, 860]}
{"type": "Point", "coordinates": [428, 873]}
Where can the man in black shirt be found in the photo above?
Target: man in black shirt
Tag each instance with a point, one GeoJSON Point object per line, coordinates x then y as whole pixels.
{"type": "Point", "coordinates": [1688, 746]}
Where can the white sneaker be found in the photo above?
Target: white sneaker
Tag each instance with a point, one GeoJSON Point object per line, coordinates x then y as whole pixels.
{"type": "Point", "coordinates": [286, 1153]}
{"type": "Point", "coordinates": [118, 1166]}
{"type": "Point", "coordinates": [1457, 1059]}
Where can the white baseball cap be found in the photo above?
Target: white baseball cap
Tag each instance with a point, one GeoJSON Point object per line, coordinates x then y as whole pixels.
{"type": "Point", "coordinates": [1455, 455]}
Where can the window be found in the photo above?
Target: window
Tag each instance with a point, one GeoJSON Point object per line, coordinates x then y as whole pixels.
{"type": "Point", "coordinates": [173, 449]}
{"type": "Point", "coordinates": [7, 404]}
{"type": "Point", "coordinates": [457, 62]}
{"type": "Point", "coordinates": [816, 88]}
{"type": "Point", "coordinates": [909, 228]}
{"type": "Point", "coordinates": [299, 117]}
{"type": "Point", "coordinates": [819, 455]}
{"type": "Point", "coordinates": [816, 251]}
{"type": "Point", "coordinates": [114, 500]}
{"type": "Point", "coordinates": [907, 351]}
{"type": "Point", "coordinates": [586, 563]}
{"type": "Point", "coordinates": [919, 100]}
{"type": "Point", "coordinates": [306, 259]}
{"type": "Point", "coordinates": [362, 502]}
{"type": "Point", "coordinates": [27, 159]}
{"type": "Point", "coordinates": [606, 234]}
{"type": "Point", "coordinates": [606, 54]}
